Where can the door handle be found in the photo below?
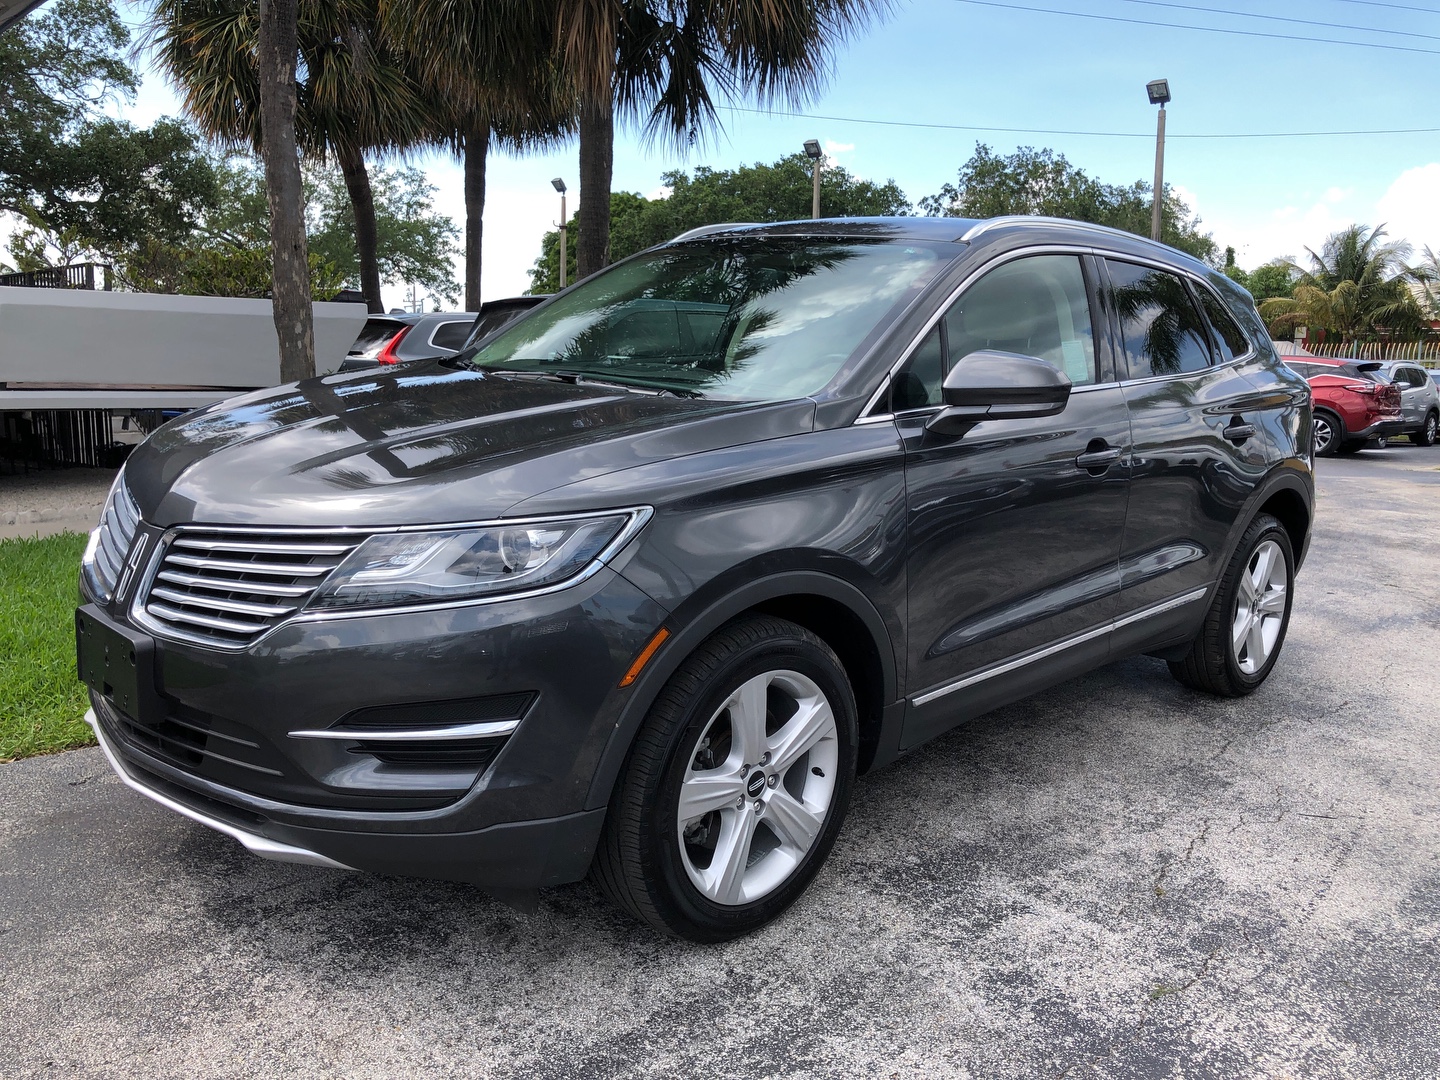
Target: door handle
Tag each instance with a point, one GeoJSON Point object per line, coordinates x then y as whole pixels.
{"type": "Point", "coordinates": [1098, 456]}
{"type": "Point", "coordinates": [1239, 431]}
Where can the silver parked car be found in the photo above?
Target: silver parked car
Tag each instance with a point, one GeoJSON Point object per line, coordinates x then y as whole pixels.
{"type": "Point", "coordinates": [1419, 400]}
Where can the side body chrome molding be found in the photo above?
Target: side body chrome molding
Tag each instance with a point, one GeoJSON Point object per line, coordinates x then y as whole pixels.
{"type": "Point", "coordinates": [1025, 659]}
{"type": "Point", "coordinates": [257, 844]}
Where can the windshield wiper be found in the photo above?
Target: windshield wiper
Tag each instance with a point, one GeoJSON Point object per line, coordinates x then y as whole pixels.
{"type": "Point", "coordinates": [576, 378]}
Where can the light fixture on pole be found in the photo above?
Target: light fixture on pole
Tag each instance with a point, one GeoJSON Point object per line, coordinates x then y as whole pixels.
{"type": "Point", "coordinates": [1159, 91]}
{"type": "Point", "coordinates": [815, 154]}
{"type": "Point", "coordinates": [559, 185]}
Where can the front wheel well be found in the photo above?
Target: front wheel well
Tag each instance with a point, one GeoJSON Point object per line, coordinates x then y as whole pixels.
{"type": "Point", "coordinates": [846, 633]}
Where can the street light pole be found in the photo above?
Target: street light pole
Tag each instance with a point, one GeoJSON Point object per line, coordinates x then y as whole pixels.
{"type": "Point", "coordinates": [559, 185]}
{"type": "Point", "coordinates": [814, 153]}
{"type": "Point", "coordinates": [1159, 91]}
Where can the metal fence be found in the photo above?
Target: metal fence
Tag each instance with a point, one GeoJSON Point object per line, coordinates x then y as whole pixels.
{"type": "Point", "coordinates": [78, 276]}
{"type": "Point", "coordinates": [1424, 351]}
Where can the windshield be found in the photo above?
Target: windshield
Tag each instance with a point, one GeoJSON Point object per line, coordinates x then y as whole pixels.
{"type": "Point", "coordinates": [752, 318]}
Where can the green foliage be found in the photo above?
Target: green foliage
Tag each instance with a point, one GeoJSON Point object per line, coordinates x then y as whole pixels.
{"type": "Point", "coordinates": [415, 244]}
{"type": "Point", "coordinates": [759, 193]}
{"type": "Point", "coordinates": [69, 170]}
{"type": "Point", "coordinates": [1043, 182]}
{"type": "Point", "coordinates": [1355, 285]}
{"type": "Point", "coordinates": [1271, 280]}
{"type": "Point", "coordinates": [42, 704]}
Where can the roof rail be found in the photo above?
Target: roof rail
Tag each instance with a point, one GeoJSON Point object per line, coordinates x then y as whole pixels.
{"type": "Point", "coordinates": [1016, 219]}
{"type": "Point", "coordinates": [706, 230]}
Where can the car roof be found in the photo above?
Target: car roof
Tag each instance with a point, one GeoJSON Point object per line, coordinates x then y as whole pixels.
{"type": "Point", "coordinates": [957, 230]}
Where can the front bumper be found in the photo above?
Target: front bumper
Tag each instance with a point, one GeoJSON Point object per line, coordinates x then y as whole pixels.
{"type": "Point", "coordinates": [230, 745]}
{"type": "Point", "coordinates": [517, 855]}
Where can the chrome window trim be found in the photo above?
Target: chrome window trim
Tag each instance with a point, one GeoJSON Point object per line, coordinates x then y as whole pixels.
{"type": "Point", "coordinates": [1025, 659]}
{"type": "Point", "coordinates": [639, 517]}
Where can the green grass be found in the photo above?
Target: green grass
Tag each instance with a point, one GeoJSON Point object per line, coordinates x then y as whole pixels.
{"type": "Point", "coordinates": [42, 704]}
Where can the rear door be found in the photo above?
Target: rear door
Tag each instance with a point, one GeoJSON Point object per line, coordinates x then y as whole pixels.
{"type": "Point", "coordinates": [1194, 459]}
{"type": "Point", "coordinates": [1014, 527]}
{"type": "Point", "coordinates": [1414, 393]}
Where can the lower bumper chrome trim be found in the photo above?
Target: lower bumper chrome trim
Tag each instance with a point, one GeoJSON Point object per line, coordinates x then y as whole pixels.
{"type": "Point", "coordinates": [486, 730]}
{"type": "Point", "coordinates": [254, 842]}
{"type": "Point", "coordinates": [1059, 646]}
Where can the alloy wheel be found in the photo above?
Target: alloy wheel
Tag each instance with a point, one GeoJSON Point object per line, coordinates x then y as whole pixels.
{"type": "Point", "coordinates": [1324, 434]}
{"type": "Point", "coordinates": [1259, 608]}
{"type": "Point", "coordinates": [758, 786]}
{"type": "Point", "coordinates": [1432, 428]}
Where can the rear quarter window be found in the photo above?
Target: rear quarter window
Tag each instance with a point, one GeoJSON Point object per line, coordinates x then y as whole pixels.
{"type": "Point", "coordinates": [452, 335]}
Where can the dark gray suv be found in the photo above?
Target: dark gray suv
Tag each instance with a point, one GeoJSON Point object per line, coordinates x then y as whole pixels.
{"type": "Point", "coordinates": [638, 586]}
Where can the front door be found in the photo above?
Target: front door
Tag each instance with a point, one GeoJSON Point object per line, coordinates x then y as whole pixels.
{"type": "Point", "coordinates": [1014, 527]}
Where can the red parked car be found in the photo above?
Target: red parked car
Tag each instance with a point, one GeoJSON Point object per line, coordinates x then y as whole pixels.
{"type": "Point", "coordinates": [1354, 402]}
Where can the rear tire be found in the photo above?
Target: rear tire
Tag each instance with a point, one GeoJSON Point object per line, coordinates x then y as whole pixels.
{"type": "Point", "coordinates": [1244, 629]}
{"type": "Point", "coordinates": [1326, 432]}
{"type": "Point", "coordinates": [1426, 434]}
{"type": "Point", "coordinates": [736, 786]}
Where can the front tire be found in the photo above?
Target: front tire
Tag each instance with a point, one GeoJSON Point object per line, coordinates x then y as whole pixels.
{"type": "Point", "coordinates": [1244, 629]}
{"type": "Point", "coordinates": [736, 786]}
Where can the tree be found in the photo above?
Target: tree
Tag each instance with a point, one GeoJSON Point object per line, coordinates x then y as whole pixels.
{"type": "Point", "coordinates": [358, 93]}
{"type": "Point", "coordinates": [1031, 181]}
{"type": "Point", "coordinates": [1272, 279]}
{"type": "Point", "coordinates": [66, 169]}
{"type": "Point", "coordinates": [275, 58]}
{"type": "Point", "coordinates": [489, 70]}
{"type": "Point", "coordinates": [413, 243]}
{"type": "Point", "coordinates": [662, 62]}
{"type": "Point", "coordinates": [778, 192]}
{"type": "Point", "coordinates": [1355, 285]}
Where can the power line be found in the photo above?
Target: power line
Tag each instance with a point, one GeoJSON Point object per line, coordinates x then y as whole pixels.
{"type": "Point", "coordinates": [1284, 19]}
{"type": "Point", "coordinates": [1397, 7]}
{"type": "Point", "coordinates": [1203, 29]}
{"type": "Point", "coordinates": [1097, 134]}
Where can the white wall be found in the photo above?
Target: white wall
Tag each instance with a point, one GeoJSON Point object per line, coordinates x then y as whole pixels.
{"type": "Point", "coordinates": [61, 337]}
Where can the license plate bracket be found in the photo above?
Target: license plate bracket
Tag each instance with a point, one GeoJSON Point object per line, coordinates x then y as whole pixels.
{"type": "Point", "coordinates": [117, 663]}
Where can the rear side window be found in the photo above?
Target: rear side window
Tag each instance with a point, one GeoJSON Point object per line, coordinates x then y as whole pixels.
{"type": "Point", "coordinates": [1228, 337]}
{"type": "Point", "coordinates": [452, 335]}
{"type": "Point", "coordinates": [1159, 325]}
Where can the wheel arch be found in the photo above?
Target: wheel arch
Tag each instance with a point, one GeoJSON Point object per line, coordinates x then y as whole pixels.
{"type": "Point", "coordinates": [1288, 495]}
{"type": "Point", "coordinates": [835, 610]}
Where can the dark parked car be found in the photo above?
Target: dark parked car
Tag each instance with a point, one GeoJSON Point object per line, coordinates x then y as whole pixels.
{"type": "Point", "coordinates": [400, 339]}
{"type": "Point", "coordinates": [638, 587]}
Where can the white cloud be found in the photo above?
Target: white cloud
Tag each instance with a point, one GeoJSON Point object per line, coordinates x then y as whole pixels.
{"type": "Point", "coordinates": [834, 149]}
{"type": "Point", "coordinates": [664, 191]}
{"type": "Point", "coordinates": [1410, 209]}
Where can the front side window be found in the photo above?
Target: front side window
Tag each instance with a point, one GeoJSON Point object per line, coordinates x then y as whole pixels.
{"type": "Point", "coordinates": [1035, 306]}
{"type": "Point", "coordinates": [1159, 323]}
{"type": "Point", "coordinates": [744, 318]}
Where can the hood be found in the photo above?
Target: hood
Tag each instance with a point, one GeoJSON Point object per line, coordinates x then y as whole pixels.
{"type": "Point", "coordinates": [423, 444]}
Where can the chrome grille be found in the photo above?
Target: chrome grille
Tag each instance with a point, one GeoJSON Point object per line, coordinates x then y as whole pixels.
{"type": "Point", "coordinates": [113, 536]}
{"type": "Point", "coordinates": [226, 588]}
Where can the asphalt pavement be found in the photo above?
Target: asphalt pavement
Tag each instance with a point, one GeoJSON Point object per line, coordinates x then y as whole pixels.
{"type": "Point", "coordinates": [1116, 878]}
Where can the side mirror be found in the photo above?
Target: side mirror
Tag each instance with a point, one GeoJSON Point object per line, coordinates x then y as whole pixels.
{"type": "Point", "coordinates": [994, 385]}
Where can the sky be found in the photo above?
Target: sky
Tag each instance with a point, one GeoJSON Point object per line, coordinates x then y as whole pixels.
{"type": "Point", "coordinates": [908, 99]}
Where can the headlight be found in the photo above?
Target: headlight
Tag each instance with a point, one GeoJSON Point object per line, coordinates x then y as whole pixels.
{"type": "Point", "coordinates": [401, 568]}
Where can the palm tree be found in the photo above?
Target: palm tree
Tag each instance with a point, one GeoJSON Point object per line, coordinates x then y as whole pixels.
{"type": "Point", "coordinates": [1354, 285]}
{"type": "Point", "coordinates": [663, 62]}
{"type": "Point", "coordinates": [357, 93]}
{"type": "Point", "coordinates": [489, 70]}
